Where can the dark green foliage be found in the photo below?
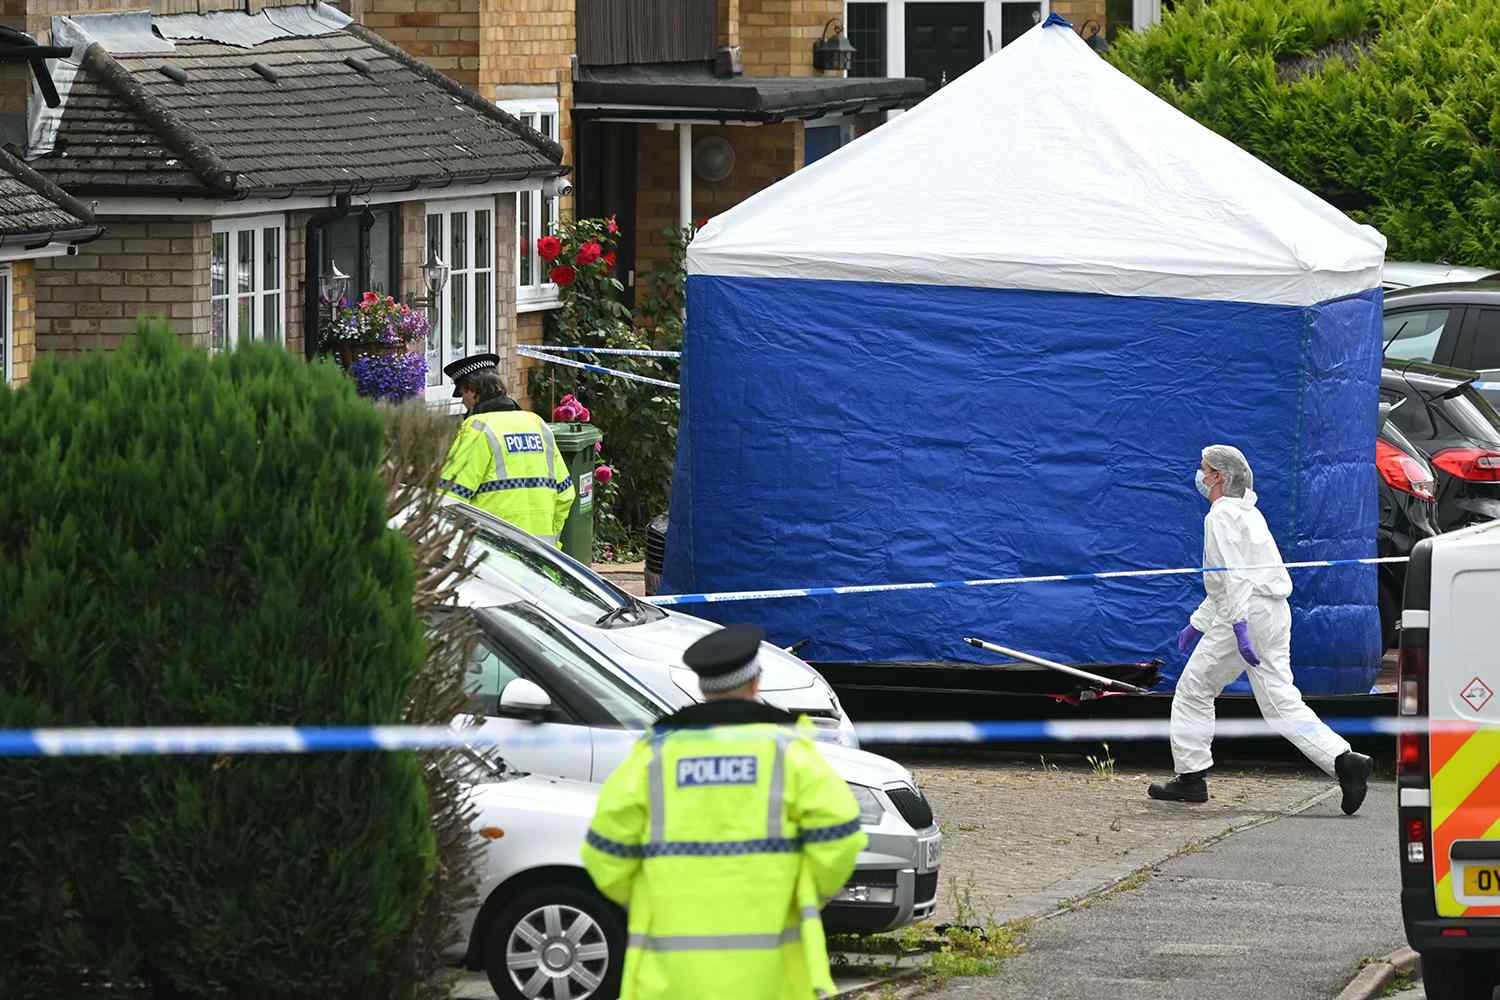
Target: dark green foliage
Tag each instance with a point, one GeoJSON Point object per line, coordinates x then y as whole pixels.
{"type": "Point", "coordinates": [1388, 109]}
{"type": "Point", "coordinates": [187, 540]}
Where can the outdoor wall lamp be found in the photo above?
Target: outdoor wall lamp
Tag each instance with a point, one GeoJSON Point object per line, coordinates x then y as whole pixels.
{"type": "Point", "coordinates": [434, 277]}
{"type": "Point", "coordinates": [835, 52]}
{"type": "Point", "coordinates": [333, 284]}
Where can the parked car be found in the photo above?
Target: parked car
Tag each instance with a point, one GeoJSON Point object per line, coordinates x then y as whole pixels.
{"type": "Point", "coordinates": [1456, 325]}
{"type": "Point", "coordinates": [647, 640]}
{"type": "Point", "coordinates": [1407, 501]}
{"type": "Point", "coordinates": [1456, 429]}
{"type": "Point", "coordinates": [558, 704]}
{"type": "Point", "coordinates": [539, 928]}
{"type": "Point", "coordinates": [1399, 274]}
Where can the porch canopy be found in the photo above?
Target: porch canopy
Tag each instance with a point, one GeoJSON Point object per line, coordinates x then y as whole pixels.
{"type": "Point", "coordinates": [989, 339]}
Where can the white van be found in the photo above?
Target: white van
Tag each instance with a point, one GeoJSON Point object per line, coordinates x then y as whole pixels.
{"type": "Point", "coordinates": [1448, 770]}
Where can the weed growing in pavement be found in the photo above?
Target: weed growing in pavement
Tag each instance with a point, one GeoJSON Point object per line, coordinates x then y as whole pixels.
{"type": "Point", "coordinates": [1400, 982]}
{"type": "Point", "coordinates": [976, 951]}
{"type": "Point", "coordinates": [1102, 766]}
{"type": "Point", "coordinates": [1046, 767]}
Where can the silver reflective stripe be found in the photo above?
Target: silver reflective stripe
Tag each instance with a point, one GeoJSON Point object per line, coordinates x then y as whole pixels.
{"type": "Point", "coordinates": [550, 444]}
{"type": "Point", "coordinates": [495, 448]}
{"type": "Point", "coordinates": [714, 942]}
{"type": "Point", "coordinates": [811, 913]}
{"type": "Point", "coordinates": [547, 538]}
{"type": "Point", "coordinates": [778, 785]}
{"type": "Point", "coordinates": [658, 794]}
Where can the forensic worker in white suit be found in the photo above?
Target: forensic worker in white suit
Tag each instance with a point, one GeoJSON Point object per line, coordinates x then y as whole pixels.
{"type": "Point", "coordinates": [1244, 624]}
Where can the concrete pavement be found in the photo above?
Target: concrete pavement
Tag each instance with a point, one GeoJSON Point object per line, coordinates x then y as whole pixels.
{"type": "Point", "coordinates": [1286, 910]}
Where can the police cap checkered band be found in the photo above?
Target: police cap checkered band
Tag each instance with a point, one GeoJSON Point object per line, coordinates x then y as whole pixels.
{"type": "Point", "coordinates": [726, 659]}
{"type": "Point", "coordinates": [468, 366]}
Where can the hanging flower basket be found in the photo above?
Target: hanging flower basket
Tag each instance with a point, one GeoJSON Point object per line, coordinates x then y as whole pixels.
{"type": "Point", "coordinates": [381, 343]}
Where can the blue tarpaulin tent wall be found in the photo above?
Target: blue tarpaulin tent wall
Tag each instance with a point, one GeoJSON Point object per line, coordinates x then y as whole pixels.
{"type": "Point", "coordinates": [985, 341]}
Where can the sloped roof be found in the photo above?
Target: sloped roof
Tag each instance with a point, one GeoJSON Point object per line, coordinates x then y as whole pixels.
{"type": "Point", "coordinates": [340, 111]}
{"type": "Point", "coordinates": [32, 209]}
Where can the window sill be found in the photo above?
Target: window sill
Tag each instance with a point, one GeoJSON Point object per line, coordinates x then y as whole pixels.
{"type": "Point", "coordinates": [538, 304]}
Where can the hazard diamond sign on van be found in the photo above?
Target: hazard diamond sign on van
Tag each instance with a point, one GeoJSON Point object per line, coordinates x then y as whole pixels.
{"type": "Point", "coordinates": [1477, 693]}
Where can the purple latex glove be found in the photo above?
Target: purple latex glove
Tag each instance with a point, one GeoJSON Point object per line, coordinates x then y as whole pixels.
{"type": "Point", "coordinates": [1186, 638]}
{"type": "Point", "coordinates": [1247, 649]}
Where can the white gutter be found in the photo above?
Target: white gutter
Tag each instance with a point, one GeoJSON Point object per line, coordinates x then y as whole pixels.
{"type": "Point", "coordinates": [219, 207]}
{"type": "Point", "coordinates": [8, 254]}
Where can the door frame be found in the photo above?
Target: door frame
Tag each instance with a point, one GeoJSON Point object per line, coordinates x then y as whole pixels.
{"type": "Point", "coordinates": [895, 29]}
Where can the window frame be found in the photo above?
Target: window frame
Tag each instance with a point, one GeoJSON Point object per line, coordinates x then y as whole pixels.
{"type": "Point", "coordinates": [231, 228]}
{"type": "Point", "coordinates": [441, 390]}
{"type": "Point", "coordinates": [883, 31]}
{"type": "Point", "coordinates": [7, 324]}
{"type": "Point", "coordinates": [538, 294]}
{"type": "Point", "coordinates": [1447, 338]}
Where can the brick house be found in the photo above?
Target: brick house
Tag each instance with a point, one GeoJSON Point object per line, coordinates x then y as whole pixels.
{"type": "Point", "coordinates": [38, 221]}
{"type": "Point", "coordinates": [237, 157]}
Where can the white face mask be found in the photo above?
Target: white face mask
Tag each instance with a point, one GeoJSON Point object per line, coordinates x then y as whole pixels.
{"type": "Point", "coordinates": [1202, 486]}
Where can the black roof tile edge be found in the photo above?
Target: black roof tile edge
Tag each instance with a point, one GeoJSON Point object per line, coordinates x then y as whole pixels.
{"type": "Point", "coordinates": [23, 172]}
{"type": "Point", "coordinates": [195, 153]}
{"type": "Point", "coordinates": [552, 150]}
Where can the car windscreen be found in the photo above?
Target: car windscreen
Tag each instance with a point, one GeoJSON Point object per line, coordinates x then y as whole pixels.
{"type": "Point", "coordinates": [562, 586]}
{"type": "Point", "coordinates": [567, 660]}
{"type": "Point", "coordinates": [1472, 416]}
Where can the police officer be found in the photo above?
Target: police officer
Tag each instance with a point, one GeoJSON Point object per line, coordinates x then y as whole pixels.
{"type": "Point", "coordinates": [724, 833]}
{"type": "Point", "coordinates": [505, 460]}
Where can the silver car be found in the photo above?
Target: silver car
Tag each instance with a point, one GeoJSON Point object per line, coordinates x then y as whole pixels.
{"type": "Point", "coordinates": [556, 704]}
{"type": "Point", "coordinates": [648, 641]}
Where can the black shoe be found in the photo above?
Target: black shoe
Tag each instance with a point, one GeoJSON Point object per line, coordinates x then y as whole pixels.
{"type": "Point", "coordinates": [1353, 770]}
{"type": "Point", "coordinates": [1183, 788]}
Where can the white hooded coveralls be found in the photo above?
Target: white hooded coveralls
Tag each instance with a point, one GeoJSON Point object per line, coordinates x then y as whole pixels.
{"type": "Point", "coordinates": [1235, 535]}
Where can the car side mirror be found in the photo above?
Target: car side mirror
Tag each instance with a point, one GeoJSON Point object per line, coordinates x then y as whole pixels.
{"type": "Point", "coordinates": [525, 699]}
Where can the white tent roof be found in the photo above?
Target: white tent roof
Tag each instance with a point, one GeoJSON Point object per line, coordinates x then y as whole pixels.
{"type": "Point", "coordinates": [1045, 168]}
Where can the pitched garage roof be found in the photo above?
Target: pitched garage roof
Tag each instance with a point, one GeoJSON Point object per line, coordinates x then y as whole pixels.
{"type": "Point", "coordinates": [35, 212]}
{"type": "Point", "coordinates": [340, 111]}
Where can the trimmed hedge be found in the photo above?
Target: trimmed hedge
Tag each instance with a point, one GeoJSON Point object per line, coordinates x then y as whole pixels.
{"type": "Point", "coordinates": [195, 540]}
{"type": "Point", "coordinates": [1388, 109]}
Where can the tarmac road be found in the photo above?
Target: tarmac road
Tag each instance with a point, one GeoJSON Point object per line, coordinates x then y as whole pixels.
{"type": "Point", "coordinates": [1284, 910]}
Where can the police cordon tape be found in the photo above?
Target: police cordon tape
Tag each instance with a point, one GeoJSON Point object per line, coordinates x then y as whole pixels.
{"type": "Point", "coordinates": [527, 352]}
{"type": "Point", "coordinates": [629, 352]}
{"type": "Point", "coordinates": [172, 741]}
{"type": "Point", "coordinates": [669, 600]}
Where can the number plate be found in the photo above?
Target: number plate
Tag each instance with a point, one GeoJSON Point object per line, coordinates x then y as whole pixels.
{"type": "Point", "coordinates": [1482, 880]}
{"type": "Point", "coordinates": [932, 852]}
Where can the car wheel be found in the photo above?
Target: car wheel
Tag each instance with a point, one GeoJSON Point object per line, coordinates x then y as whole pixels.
{"type": "Point", "coordinates": [1458, 975]}
{"type": "Point", "coordinates": [555, 943]}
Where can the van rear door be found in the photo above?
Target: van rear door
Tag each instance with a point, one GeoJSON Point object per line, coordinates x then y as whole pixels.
{"type": "Point", "coordinates": [1463, 708]}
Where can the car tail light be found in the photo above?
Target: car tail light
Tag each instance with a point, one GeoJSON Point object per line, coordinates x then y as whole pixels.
{"type": "Point", "coordinates": [1404, 472]}
{"type": "Point", "coordinates": [1474, 464]}
{"type": "Point", "coordinates": [1455, 932]}
{"type": "Point", "coordinates": [1416, 841]}
{"type": "Point", "coordinates": [1411, 682]}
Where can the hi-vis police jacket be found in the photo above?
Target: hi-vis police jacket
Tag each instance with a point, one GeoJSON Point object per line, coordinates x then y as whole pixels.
{"type": "Point", "coordinates": [508, 464]}
{"type": "Point", "coordinates": [724, 836]}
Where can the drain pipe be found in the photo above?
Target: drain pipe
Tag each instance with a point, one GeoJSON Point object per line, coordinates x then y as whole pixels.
{"type": "Point", "coordinates": [310, 307]}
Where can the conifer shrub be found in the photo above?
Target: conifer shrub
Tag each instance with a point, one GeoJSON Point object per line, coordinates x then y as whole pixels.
{"type": "Point", "coordinates": [195, 540]}
{"type": "Point", "coordinates": [1387, 109]}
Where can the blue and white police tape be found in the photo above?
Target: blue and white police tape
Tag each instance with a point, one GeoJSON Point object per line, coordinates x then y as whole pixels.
{"type": "Point", "coordinates": [629, 352]}
{"type": "Point", "coordinates": [668, 600]}
{"type": "Point", "coordinates": [218, 740]}
{"type": "Point", "coordinates": [527, 352]}
{"type": "Point", "coordinates": [1486, 385]}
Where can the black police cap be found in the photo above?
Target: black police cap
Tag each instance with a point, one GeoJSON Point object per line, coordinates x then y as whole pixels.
{"type": "Point", "coordinates": [725, 659]}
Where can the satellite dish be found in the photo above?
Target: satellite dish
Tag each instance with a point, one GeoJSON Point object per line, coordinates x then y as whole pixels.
{"type": "Point", "coordinates": [713, 158]}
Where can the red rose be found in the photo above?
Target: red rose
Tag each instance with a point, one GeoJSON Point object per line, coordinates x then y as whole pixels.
{"type": "Point", "coordinates": [368, 299]}
{"type": "Point", "coordinates": [603, 474]}
{"type": "Point", "coordinates": [549, 247]}
{"type": "Point", "coordinates": [562, 275]}
{"type": "Point", "coordinates": [614, 227]}
{"type": "Point", "coordinates": [588, 253]}
{"type": "Point", "coordinates": [609, 261]}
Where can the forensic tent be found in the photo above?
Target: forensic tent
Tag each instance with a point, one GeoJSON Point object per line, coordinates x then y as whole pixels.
{"type": "Point", "coordinates": [990, 339]}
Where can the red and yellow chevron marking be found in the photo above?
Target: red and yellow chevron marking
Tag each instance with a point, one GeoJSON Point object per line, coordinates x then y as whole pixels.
{"type": "Point", "coordinates": [1465, 804]}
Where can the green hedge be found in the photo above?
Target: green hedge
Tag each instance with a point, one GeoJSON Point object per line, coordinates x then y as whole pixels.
{"type": "Point", "coordinates": [1388, 109]}
{"type": "Point", "coordinates": [187, 540]}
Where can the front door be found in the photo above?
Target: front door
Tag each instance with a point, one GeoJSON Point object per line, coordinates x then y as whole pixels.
{"type": "Point", "coordinates": [943, 40]}
{"type": "Point", "coordinates": [1016, 19]}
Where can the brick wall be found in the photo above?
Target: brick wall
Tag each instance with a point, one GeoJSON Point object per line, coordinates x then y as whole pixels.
{"type": "Point", "coordinates": [22, 321]}
{"type": "Point", "coordinates": [763, 155]}
{"type": "Point", "coordinates": [39, 13]}
{"type": "Point", "coordinates": [1081, 11]}
{"type": "Point", "coordinates": [777, 36]}
{"type": "Point", "coordinates": [445, 34]}
{"type": "Point", "coordinates": [142, 266]}
{"type": "Point", "coordinates": [296, 278]}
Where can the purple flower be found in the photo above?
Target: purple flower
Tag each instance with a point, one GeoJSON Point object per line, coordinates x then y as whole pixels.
{"type": "Point", "coordinates": [393, 377]}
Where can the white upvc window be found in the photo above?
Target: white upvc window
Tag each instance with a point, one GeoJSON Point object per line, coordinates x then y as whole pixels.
{"type": "Point", "coordinates": [463, 234]}
{"type": "Point", "coordinates": [249, 280]}
{"type": "Point", "coordinates": [536, 216]}
{"type": "Point", "coordinates": [7, 334]}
